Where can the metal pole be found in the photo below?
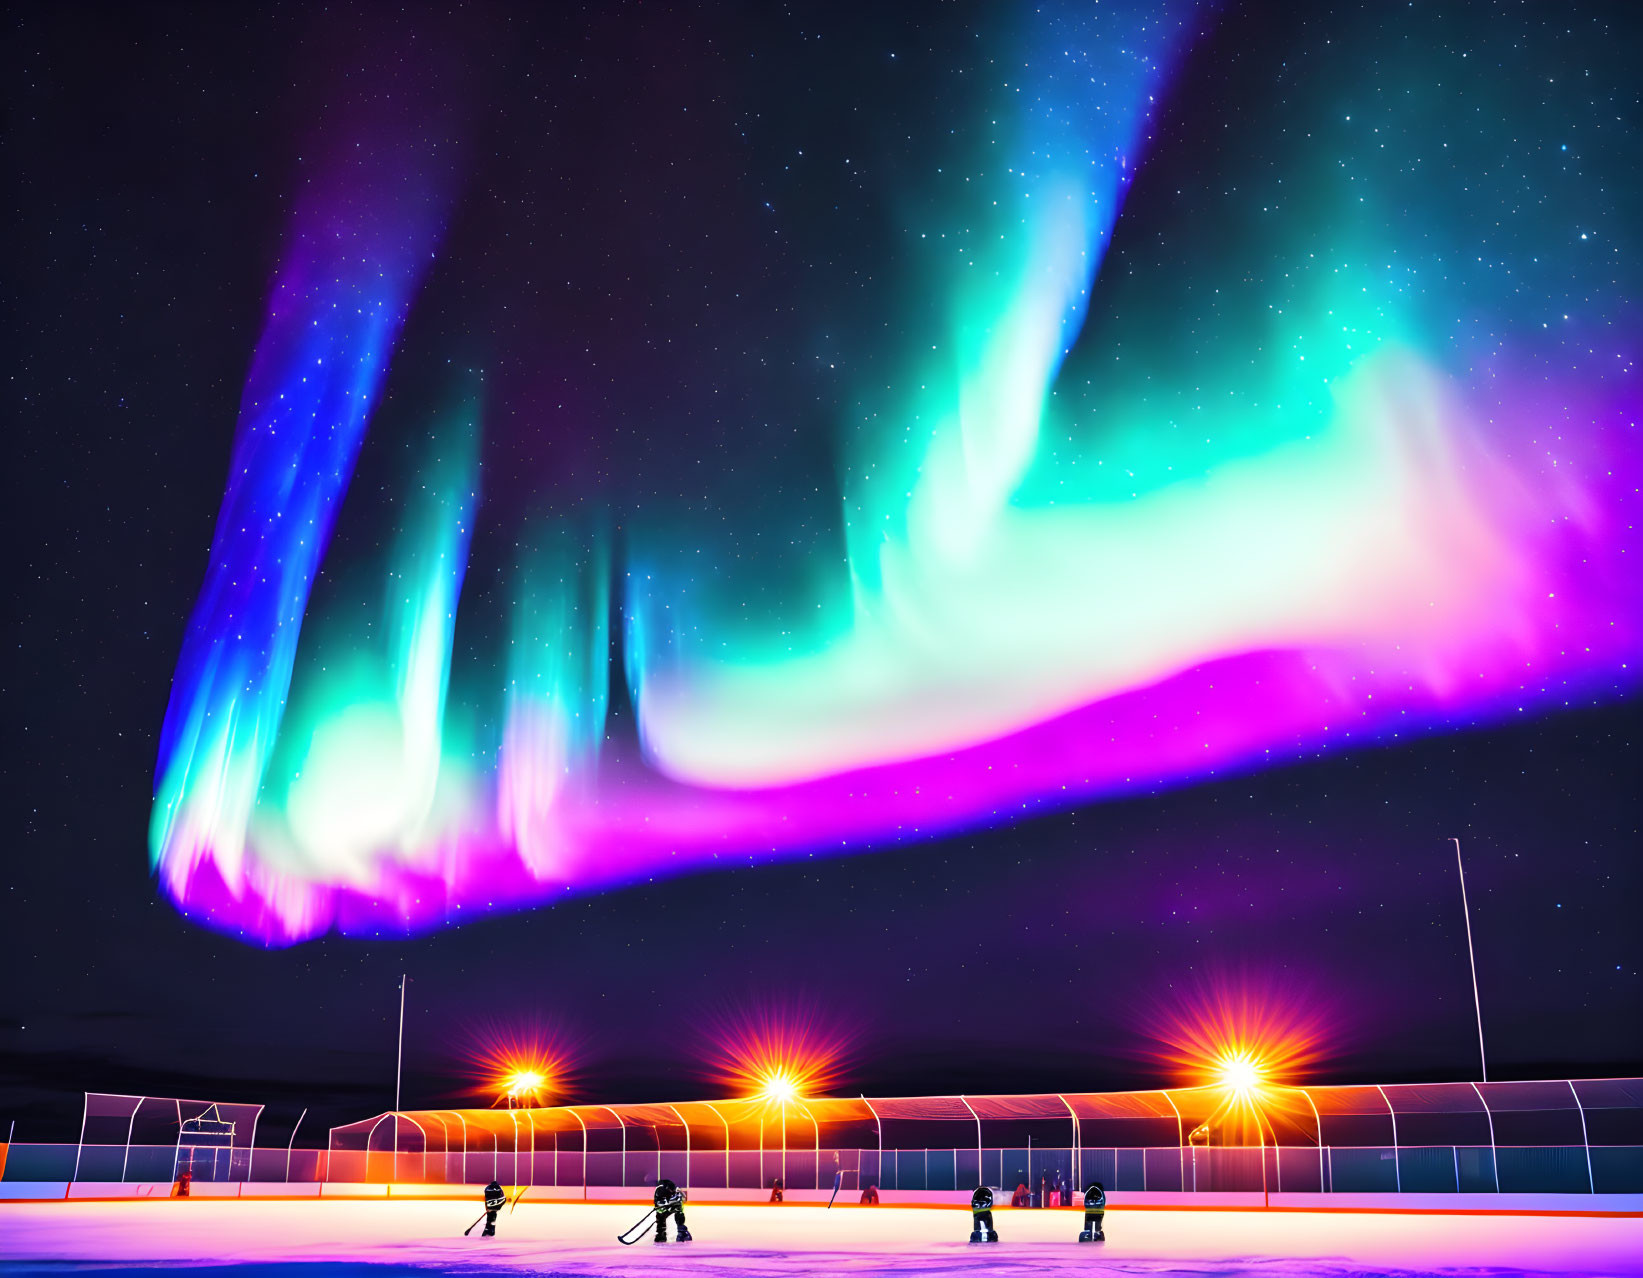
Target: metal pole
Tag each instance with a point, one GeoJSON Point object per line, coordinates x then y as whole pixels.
{"type": "Point", "coordinates": [1477, 1002]}
{"type": "Point", "coordinates": [1318, 1119]}
{"type": "Point", "coordinates": [81, 1147]}
{"type": "Point", "coordinates": [1585, 1138]}
{"type": "Point", "coordinates": [125, 1163]}
{"type": "Point", "coordinates": [624, 1128]}
{"type": "Point", "coordinates": [292, 1144]}
{"type": "Point", "coordinates": [1180, 1142]}
{"type": "Point", "coordinates": [1077, 1151]}
{"type": "Point", "coordinates": [399, 1064]}
{"type": "Point", "coordinates": [251, 1156]}
{"type": "Point", "coordinates": [584, 1127]}
{"type": "Point", "coordinates": [979, 1179]}
{"type": "Point", "coordinates": [1494, 1157]}
{"type": "Point", "coordinates": [462, 1176]}
{"type": "Point", "coordinates": [817, 1127]}
{"type": "Point", "coordinates": [399, 1068]}
{"type": "Point", "coordinates": [1277, 1152]}
{"type": "Point", "coordinates": [683, 1122]}
{"type": "Point", "coordinates": [726, 1122]}
{"type": "Point", "coordinates": [1260, 1132]}
{"type": "Point", "coordinates": [1397, 1172]}
{"type": "Point", "coordinates": [878, 1176]}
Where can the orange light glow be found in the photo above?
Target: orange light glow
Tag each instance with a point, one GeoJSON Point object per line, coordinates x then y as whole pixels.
{"type": "Point", "coordinates": [1240, 1072]}
{"type": "Point", "coordinates": [777, 1056]}
{"type": "Point", "coordinates": [519, 1068]}
{"type": "Point", "coordinates": [1242, 1040]}
{"type": "Point", "coordinates": [526, 1084]}
{"type": "Point", "coordinates": [779, 1088]}
{"type": "Point", "coordinates": [1239, 1033]}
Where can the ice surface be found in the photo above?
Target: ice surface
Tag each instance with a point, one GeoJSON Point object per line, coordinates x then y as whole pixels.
{"type": "Point", "coordinates": [343, 1239]}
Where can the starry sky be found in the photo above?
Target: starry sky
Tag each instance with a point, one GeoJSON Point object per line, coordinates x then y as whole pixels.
{"type": "Point", "coordinates": [645, 277]}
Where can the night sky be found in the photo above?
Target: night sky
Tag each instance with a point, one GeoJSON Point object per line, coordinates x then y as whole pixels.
{"type": "Point", "coordinates": [667, 229]}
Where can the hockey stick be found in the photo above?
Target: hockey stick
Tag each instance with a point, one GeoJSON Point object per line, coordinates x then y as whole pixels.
{"type": "Point", "coordinates": [838, 1179]}
{"type": "Point", "coordinates": [635, 1230]}
{"type": "Point", "coordinates": [473, 1226]}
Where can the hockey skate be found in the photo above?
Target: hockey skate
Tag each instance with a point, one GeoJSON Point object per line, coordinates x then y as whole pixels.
{"type": "Point", "coordinates": [683, 1235]}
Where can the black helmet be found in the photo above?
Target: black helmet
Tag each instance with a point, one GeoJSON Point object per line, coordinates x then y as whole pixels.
{"type": "Point", "coordinates": [1096, 1190]}
{"type": "Point", "coordinates": [665, 1189]}
{"type": "Point", "coordinates": [982, 1199]}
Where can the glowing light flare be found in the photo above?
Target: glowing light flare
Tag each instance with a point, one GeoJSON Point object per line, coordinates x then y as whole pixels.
{"type": "Point", "coordinates": [1239, 1032]}
{"type": "Point", "coordinates": [778, 1055]}
{"type": "Point", "coordinates": [1240, 1038]}
{"type": "Point", "coordinates": [521, 1067]}
{"type": "Point", "coordinates": [525, 1085]}
{"type": "Point", "coordinates": [1240, 1072]}
{"type": "Point", "coordinates": [779, 1088]}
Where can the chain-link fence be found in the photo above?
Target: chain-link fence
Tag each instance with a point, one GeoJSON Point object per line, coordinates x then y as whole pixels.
{"type": "Point", "coordinates": [1564, 1137]}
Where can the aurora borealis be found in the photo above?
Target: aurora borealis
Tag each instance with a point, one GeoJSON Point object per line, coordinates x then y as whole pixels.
{"type": "Point", "coordinates": [1356, 465]}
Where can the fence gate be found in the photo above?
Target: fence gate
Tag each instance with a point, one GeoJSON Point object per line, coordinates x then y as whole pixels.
{"type": "Point", "coordinates": [205, 1146]}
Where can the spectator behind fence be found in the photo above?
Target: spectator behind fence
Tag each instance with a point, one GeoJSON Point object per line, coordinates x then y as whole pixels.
{"type": "Point", "coordinates": [1021, 1197]}
{"type": "Point", "coordinates": [870, 1196]}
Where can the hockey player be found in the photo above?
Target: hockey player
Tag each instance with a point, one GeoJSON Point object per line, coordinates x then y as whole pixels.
{"type": "Point", "coordinates": [670, 1202]}
{"type": "Point", "coordinates": [1095, 1209]}
{"type": "Point", "coordinates": [495, 1200]}
{"type": "Point", "coordinates": [981, 1213]}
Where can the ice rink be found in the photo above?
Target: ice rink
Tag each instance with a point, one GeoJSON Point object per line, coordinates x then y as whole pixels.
{"type": "Point", "coordinates": [552, 1238]}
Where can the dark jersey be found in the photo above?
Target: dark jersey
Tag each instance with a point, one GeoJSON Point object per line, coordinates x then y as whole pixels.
{"type": "Point", "coordinates": [494, 1197]}
{"type": "Point", "coordinates": [1095, 1198]}
{"type": "Point", "coordinates": [981, 1200]}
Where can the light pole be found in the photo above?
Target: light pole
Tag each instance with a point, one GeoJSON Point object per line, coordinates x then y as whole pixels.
{"type": "Point", "coordinates": [399, 1069]}
{"type": "Point", "coordinates": [399, 1065]}
{"type": "Point", "coordinates": [1477, 1002]}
